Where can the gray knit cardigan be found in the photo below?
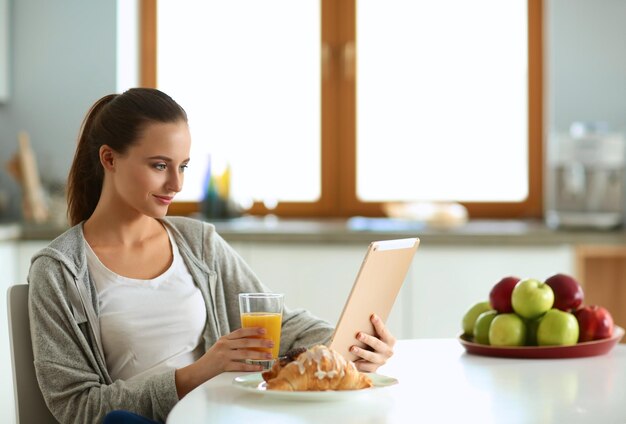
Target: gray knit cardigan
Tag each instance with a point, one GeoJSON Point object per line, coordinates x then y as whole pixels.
{"type": "Point", "coordinates": [64, 310]}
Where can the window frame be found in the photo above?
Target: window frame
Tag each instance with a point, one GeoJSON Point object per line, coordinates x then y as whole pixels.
{"type": "Point", "coordinates": [338, 119]}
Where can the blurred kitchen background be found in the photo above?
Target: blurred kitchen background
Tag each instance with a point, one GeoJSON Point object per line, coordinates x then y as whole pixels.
{"type": "Point", "coordinates": [58, 57]}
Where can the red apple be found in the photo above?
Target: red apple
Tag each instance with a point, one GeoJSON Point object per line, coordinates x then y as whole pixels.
{"type": "Point", "coordinates": [595, 323]}
{"type": "Point", "coordinates": [500, 295]}
{"type": "Point", "coordinates": [568, 295]}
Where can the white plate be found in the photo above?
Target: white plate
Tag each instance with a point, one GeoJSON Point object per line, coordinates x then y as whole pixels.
{"type": "Point", "coordinates": [253, 383]}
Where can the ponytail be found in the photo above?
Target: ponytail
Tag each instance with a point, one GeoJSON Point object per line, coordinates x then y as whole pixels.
{"type": "Point", "coordinates": [84, 182]}
{"type": "Point", "coordinates": [117, 121]}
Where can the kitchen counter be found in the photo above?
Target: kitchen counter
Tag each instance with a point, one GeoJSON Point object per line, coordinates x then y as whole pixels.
{"type": "Point", "coordinates": [360, 230]}
{"type": "Point", "coordinates": [10, 231]}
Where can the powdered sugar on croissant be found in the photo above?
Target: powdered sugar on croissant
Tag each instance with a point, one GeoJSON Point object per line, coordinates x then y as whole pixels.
{"type": "Point", "coordinates": [319, 368]}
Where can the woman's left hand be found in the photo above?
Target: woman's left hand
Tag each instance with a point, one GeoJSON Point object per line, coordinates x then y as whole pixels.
{"type": "Point", "coordinates": [380, 347]}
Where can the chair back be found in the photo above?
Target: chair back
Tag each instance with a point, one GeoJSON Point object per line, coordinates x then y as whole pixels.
{"type": "Point", "coordinates": [29, 404]}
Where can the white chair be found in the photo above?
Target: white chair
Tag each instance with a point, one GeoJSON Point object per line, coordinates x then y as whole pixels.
{"type": "Point", "coordinates": [29, 404]}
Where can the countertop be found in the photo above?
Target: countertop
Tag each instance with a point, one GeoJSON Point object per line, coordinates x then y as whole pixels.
{"type": "Point", "coordinates": [364, 230]}
{"type": "Point", "coordinates": [10, 231]}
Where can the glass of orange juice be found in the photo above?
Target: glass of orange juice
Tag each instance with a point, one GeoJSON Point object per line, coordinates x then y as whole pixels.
{"type": "Point", "coordinates": [263, 310]}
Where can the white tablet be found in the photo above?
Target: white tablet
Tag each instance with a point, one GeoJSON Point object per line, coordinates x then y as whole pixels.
{"type": "Point", "coordinates": [377, 284]}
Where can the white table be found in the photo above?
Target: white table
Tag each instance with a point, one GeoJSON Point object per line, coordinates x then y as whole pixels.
{"type": "Point", "coordinates": [440, 383]}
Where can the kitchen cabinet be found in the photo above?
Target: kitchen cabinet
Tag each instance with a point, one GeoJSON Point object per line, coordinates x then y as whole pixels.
{"type": "Point", "coordinates": [14, 263]}
{"type": "Point", "coordinates": [448, 280]}
{"type": "Point", "coordinates": [8, 261]}
{"type": "Point", "coordinates": [443, 282]}
{"type": "Point", "coordinates": [314, 277]}
{"type": "Point", "coordinates": [601, 270]}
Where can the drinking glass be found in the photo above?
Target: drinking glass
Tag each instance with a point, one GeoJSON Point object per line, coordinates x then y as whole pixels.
{"type": "Point", "coordinates": [263, 310]}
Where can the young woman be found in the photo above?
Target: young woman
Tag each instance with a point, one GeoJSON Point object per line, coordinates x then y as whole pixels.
{"type": "Point", "coordinates": [130, 309]}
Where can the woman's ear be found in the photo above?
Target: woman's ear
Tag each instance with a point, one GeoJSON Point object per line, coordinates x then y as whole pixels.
{"type": "Point", "coordinates": [107, 157]}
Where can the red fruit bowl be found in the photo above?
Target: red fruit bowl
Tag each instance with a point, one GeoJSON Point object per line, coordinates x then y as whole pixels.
{"type": "Point", "coordinates": [579, 350]}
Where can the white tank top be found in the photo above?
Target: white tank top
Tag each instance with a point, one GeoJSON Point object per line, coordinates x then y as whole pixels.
{"type": "Point", "coordinates": [148, 326]}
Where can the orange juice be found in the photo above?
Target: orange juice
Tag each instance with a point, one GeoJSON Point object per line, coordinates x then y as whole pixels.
{"type": "Point", "coordinates": [268, 320]}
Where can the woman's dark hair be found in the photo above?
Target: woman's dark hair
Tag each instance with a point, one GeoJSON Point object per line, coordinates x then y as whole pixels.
{"type": "Point", "coordinates": [116, 120]}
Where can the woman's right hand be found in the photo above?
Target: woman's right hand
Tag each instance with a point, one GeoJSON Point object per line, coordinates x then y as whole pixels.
{"type": "Point", "coordinates": [230, 351]}
{"type": "Point", "coordinates": [227, 354]}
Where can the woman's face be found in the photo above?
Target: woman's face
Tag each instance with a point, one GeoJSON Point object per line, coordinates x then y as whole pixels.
{"type": "Point", "coordinates": [151, 172]}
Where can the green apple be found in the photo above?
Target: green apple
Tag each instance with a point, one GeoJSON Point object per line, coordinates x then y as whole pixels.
{"type": "Point", "coordinates": [507, 330]}
{"type": "Point", "coordinates": [481, 328]}
{"type": "Point", "coordinates": [532, 298]}
{"type": "Point", "coordinates": [557, 328]}
{"type": "Point", "coordinates": [469, 319]}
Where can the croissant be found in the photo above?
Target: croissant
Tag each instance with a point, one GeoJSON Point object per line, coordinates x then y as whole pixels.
{"type": "Point", "coordinates": [282, 361]}
{"type": "Point", "coordinates": [318, 368]}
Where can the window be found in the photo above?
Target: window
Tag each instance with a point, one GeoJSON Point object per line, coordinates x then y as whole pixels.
{"type": "Point", "coordinates": [340, 105]}
{"type": "Point", "coordinates": [251, 92]}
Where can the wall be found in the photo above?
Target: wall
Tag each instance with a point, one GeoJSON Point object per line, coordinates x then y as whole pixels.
{"type": "Point", "coordinates": [4, 50]}
{"type": "Point", "coordinates": [62, 58]}
{"type": "Point", "coordinates": [586, 62]}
